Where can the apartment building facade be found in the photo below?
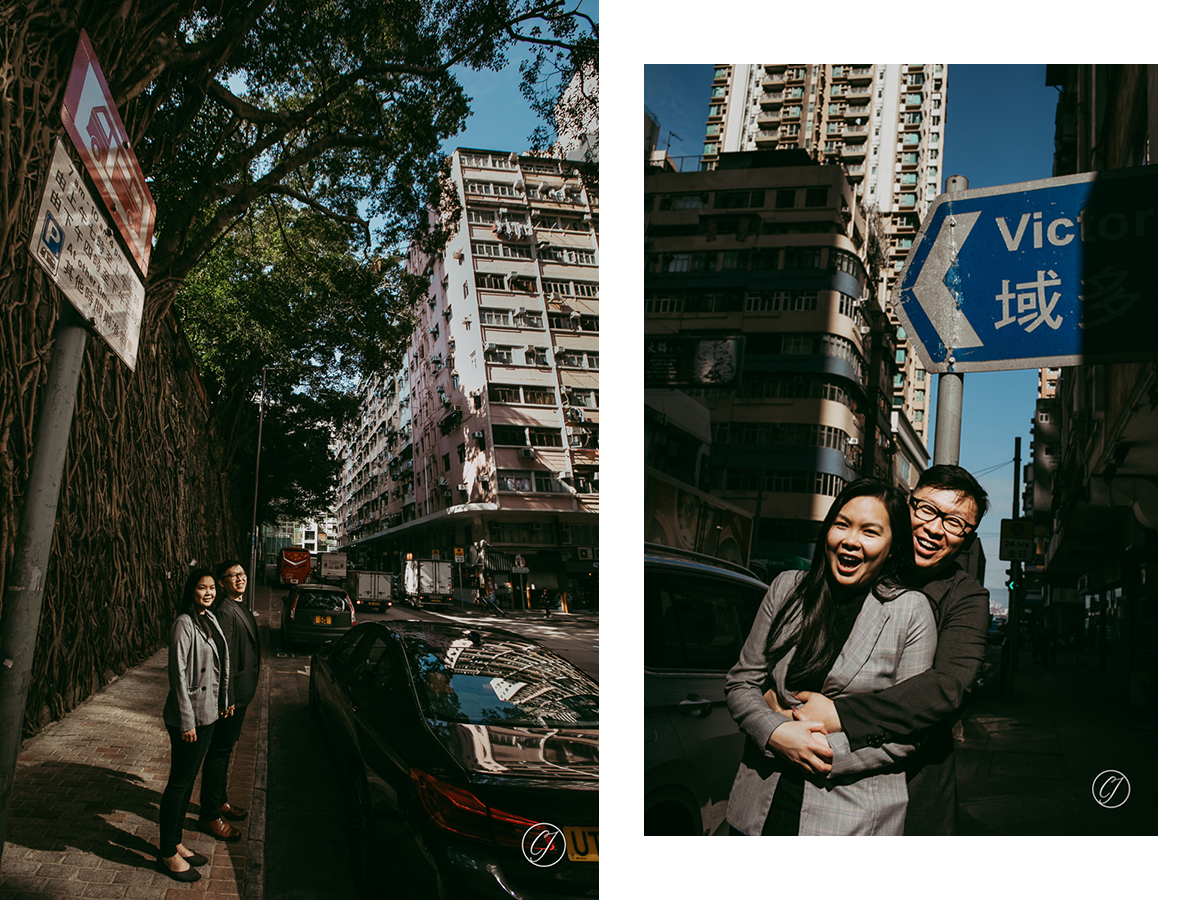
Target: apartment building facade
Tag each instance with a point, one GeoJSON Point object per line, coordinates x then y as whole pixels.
{"type": "Point", "coordinates": [756, 305]}
{"type": "Point", "coordinates": [491, 435]}
{"type": "Point", "coordinates": [884, 124]}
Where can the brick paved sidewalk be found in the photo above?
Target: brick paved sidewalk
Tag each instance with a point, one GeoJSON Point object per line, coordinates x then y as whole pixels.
{"type": "Point", "coordinates": [84, 819]}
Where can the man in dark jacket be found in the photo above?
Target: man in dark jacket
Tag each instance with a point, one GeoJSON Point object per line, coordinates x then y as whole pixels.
{"type": "Point", "coordinates": [241, 636]}
{"type": "Point", "coordinates": [947, 506]}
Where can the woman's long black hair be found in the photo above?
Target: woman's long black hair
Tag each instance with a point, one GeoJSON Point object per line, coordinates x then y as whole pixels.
{"type": "Point", "coordinates": [805, 620]}
{"type": "Point", "coordinates": [187, 603]}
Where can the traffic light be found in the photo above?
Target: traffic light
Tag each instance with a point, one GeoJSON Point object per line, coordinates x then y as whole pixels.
{"type": "Point", "coordinates": [1015, 577]}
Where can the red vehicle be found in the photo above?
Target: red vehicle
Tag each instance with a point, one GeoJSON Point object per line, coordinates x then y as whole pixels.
{"type": "Point", "coordinates": [294, 566]}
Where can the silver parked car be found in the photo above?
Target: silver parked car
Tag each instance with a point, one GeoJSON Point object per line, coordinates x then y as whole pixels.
{"type": "Point", "coordinates": [698, 613]}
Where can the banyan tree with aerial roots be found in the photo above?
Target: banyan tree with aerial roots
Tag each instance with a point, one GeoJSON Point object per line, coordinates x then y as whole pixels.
{"type": "Point", "coordinates": [245, 116]}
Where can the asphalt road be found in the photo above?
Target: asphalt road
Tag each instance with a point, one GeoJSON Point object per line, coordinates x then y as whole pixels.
{"type": "Point", "coordinates": [306, 849]}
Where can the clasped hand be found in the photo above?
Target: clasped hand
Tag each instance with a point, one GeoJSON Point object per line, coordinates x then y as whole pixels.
{"type": "Point", "coordinates": [802, 740]}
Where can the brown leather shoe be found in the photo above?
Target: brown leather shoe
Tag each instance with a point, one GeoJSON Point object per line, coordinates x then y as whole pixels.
{"type": "Point", "coordinates": [221, 830]}
{"type": "Point", "coordinates": [236, 813]}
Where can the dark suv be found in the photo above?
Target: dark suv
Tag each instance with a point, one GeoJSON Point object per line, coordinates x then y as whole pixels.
{"type": "Point", "coordinates": [698, 613]}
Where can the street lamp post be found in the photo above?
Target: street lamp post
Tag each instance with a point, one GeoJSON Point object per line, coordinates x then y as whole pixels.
{"type": "Point", "coordinates": [262, 397]}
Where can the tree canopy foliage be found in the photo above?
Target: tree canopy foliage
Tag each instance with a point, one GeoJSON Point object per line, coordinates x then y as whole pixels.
{"type": "Point", "coordinates": [270, 132]}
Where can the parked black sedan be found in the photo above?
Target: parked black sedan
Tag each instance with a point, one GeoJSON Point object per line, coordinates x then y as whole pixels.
{"type": "Point", "coordinates": [473, 757]}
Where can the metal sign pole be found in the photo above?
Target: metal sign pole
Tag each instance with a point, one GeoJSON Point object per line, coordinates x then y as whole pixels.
{"type": "Point", "coordinates": [26, 585]}
{"type": "Point", "coordinates": [947, 438]}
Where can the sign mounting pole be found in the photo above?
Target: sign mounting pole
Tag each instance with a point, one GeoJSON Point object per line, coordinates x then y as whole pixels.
{"type": "Point", "coordinates": [27, 583]}
{"type": "Point", "coordinates": [947, 437]}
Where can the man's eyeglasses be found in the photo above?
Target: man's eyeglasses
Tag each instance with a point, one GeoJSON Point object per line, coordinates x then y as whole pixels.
{"type": "Point", "coordinates": [236, 575]}
{"type": "Point", "coordinates": [927, 512]}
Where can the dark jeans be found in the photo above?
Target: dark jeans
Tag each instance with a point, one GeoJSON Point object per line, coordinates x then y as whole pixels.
{"type": "Point", "coordinates": [216, 765]}
{"type": "Point", "coordinates": [186, 758]}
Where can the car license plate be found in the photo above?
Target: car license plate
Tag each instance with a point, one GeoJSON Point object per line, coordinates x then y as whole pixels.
{"type": "Point", "coordinates": [583, 844]}
{"type": "Point", "coordinates": [323, 620]}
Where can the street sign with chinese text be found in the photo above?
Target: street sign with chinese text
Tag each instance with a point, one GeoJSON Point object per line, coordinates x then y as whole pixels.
{"type": "Point", "coordinates": [90, 117]}
{"type": "Point", "coordinates": [1056, 272]}
{"type": "Point", "coordinates": [1016, 540]}
{"type": "Point", "coordinates": [73, 242]}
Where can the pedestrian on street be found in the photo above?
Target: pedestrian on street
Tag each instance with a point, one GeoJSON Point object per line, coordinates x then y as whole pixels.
{"type": "Point", "coordinates": [198, 672]}
{"type": "Point", "coordinates": [241, 634]}
{"type": "Point", "coordinates": [548, 602]}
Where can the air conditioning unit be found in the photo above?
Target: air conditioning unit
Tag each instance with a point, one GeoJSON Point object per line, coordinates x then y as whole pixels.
{"type": "Point", "coordinates": [490, 347]}
{"type": "Point", "coordinates": [527, 453]}
{"type": "Point", "coordinates": [586, 553]}
{"type": "Point", "coordinates": [521, 311]}
{"type": "Point", "coordinates": [477, 435]}
{"type": "Point", "coordinates": [442, 482]}
{"type": "Point", "coordinates": [463, 486]}
{"type": "Point", "coordinates": [852, 442]}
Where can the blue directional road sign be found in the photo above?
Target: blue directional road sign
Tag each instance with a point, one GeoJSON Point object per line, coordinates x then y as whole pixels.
{"type": "Point", "coordinates": [1056, 272]}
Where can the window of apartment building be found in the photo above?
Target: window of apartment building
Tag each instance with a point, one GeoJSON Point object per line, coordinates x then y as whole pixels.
{"type": "Point", "coordinates": [480, 216]}
{"type": "Point", "coordinates": [911, 138]}
{"type": "Point", "coordinates": [496, 354]}
{"type": "Point", "coordinates": [581, 359]}
{"type": "Point", "coordinates": [710, 148]}
{"type": "Point", "coordinates": [586, 288]}
{"type": "Point", "coordinates": [739, 199]}
{"type": "Point", "coordinates": [840, 260]}
{"type": "Point", "coordinates": [908, 199]}
{"type": "Point", "coordinates": [508, 436]}
{"type": "Point", "coordinates": [663, 303]}
{"type": "Point", "coordinates": [462, 452]}
{"type": "Point", "coordinates": [545, 437]}
{"type": "Point", "coordinates": [494, 316]}
{"type": "Point", "coordinates": [683, 201]}
{"type": "Point", "coordinates": [908, 177]}
{"type": "Point", "coordinates": [766, 259]}
{"type": "Point", "coordinates": [802, 258]}
{"type": "Point", "coordinates": [524, 283]}
{"type": "Point", "coordinates": [816, 197]}
{"type": "Point", "coordinates": [901, 355]}
{"type": "Point", "coordinates": [584, 398]}
{"type": "Point", "coordinates": [584, 436]}
{"type": "Point", "coordinates": [918, 396]}
{"type": "Point", "coordinates": [547, 482]}
{"type": "Point", "coordinates": [489, 280]}
{"type": "Point", "coordinates": [507, 480]}
{"type": "Point", "coordinates": [761, 301]}
{"type": "Point", "coordinates": [676, 262]}
{"type": "Point", "coordinates": [488, 248]}
{"type": "Point", "coordinates": [714, 110]}
{"type": "Point", "coordinates": [445, 462]}
{"type": "Point", "coordinates": [490, 189]}
{"type": "Point", "coordinates": [732, 260]}
{"type": "Point", "coordinates": [898, 381]}
{"type": "Point", "coordinates": [539, 396]}
{"type": "Point", "coordinates": [536, 356]}
{"type": "Point", "coordinates": [504, 393]}
{"type": "Point", "coordinates": [785, 199]}
{"type": "Point", "coordinates": [587, 480]}
{"type": "Point", "coordinates": [920, 374]}
{"type": "Point", "coordinates": [718, 92]}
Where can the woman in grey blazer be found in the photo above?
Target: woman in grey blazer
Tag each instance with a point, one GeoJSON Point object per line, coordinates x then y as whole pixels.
{"type": "Point", "coordinates": [847, 625]}
{"type": "Point", "coordinates": [198, 669]}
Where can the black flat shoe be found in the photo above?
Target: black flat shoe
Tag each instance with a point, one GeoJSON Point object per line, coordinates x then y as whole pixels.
{"type": "Point", "coordinates": [189, 874]}
{"type": "Point", "coordinates": [197, 859]}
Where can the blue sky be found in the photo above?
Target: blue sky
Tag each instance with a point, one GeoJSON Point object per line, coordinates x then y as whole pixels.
{"type": "Point", "coordinates": [500, 117]}
{"type": "Point", "coordinates": [999, 130]}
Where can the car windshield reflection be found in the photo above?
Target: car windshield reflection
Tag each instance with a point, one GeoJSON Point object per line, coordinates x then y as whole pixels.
{"type": "Point", "coordinates": [469, 681]}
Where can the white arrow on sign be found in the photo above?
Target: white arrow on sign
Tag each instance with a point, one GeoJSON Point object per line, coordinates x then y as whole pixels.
{"type": "Point", "coordinates": [940, 305]}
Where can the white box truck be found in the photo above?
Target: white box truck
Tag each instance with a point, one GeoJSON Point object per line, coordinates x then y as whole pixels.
{"type": "Point", "coordinates": [371, 589]}
{"type": "Point", "coordinates": [331, 568]}
{"type": "Point", "coordinates": [427, 581]}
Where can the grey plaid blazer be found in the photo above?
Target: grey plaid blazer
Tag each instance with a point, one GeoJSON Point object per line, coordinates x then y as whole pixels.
{"type": "Point", "coordinates": [865, 793]}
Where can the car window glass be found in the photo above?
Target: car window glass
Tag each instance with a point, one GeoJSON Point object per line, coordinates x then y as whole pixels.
{"type": "Point", "coordinates": [696, 622]}
{"type": "Point", "coordinates": [363, 666]}
{"type": "Point", "coordinates": [330, 600]}
{"type": "Point", "coordinates": [344, 648]}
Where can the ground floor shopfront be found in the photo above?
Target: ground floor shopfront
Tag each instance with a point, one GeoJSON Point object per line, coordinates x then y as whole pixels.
{"type": "Point", "coordinates": [516, 555]}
